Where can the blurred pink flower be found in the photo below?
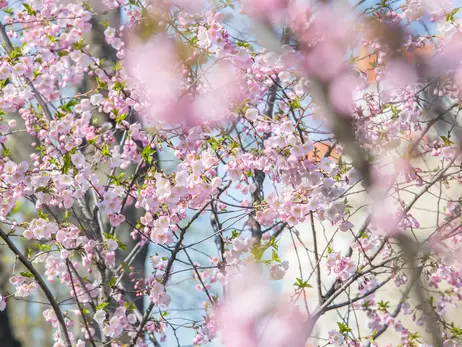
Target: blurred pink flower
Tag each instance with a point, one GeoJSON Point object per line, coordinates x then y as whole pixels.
{"type": "Point", "coordinates": [325, 61]}
{"type": "Point", "coordinates": [159, 82]}
{"type": "Point", "coordinates": [165, 90]}
{"type": "Point", "coordinates": [325, 24]}
{"type": "Point", "coordinates": [251, 316]}
{"type": "Point", "coordinates": [188, 5]}
{"type": "Point", "coordinates": [341, 92]}
{"type": "Point", "coordinates": [399, 73]}
{"type": "Point", "coordinates": [219, 91]}
{"type": "Point", "coordinates": [263, 8]}
{"type": "Point", "coordinates": [448, 58]}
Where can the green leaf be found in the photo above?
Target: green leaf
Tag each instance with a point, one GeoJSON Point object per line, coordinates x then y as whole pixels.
{"type": "Point", "coordinates": [9, 11]}
{"type": "Point", "coordinates": [66, 163]}
{"type": "Point", "coordinates": [302, 284]}
{"type": "Point", "coordinates": [233, 144]}
{"type": "Point", "coordinates": [147, 154]}
{"type": "Point", "coordinates": [447, 142]}
{"type": "Point", "coordinates": [59, 115]}
{"type": "Point", "coordinates": [85, 310]}
{"type": "Point", "coordinates": [94, 140]}
{"type": "Point", "coordinates": [42, 190]}
{"type": "Point", "coordinates": [122, 246]}
{"type": "Point", "coordinates": [79, 45]}
{"type": "Point", "coordinates": [275, 256]}
{"type": "Point", "coordinates": [101, 84]}
{"type": "Point", "coordinates": [450, 15]}
{"type": "Point", "coordinates": [396, 111]}
{"type": "Point", "coordinates": [16, 207]}
{"type": "Point", "coordinates": [295, 104]}
{"type": "Point", "coordinates": [105, 150]}
{"type": "Point", "coordinates": [52, 39]}
{"type": "Point", "coordinates": [109, 236]}
{"type": "Point", "coordinates": [29, 9]}
{"type": "Point", "coordinates": [112, 282]}
{"type": "Point", "coordinates": [121, 118]}
{"type": "Point", "coordinates": [273, 243]}
{"type": "Point", "coordinates": [27, 274]}
{"type": "Point", "coordinates": [68, 106]}
{"type": "Point", "coordinates": [102, 306]}
{"type": "Point", "coordinates": [15, 53]}
{"type": "Point", "coordinates": [118, 65]}
{"type": "Point", "coordinates": [44, 247]}
{"type": "Point", "coordinates": [455, 330]}
{"type": "Point", "coordinates": [119, 86]}
{"type": "Point", "coordinates": [344, 329]}
{"type": "Point", "coordinates": [383, 305]}
{"type": "Point", "coordinates": [242, 44]}
{"type": "Point", "coordinates": [117, 179]}
{"type": "Point", "coordinates": [129, 306]}
{"type": "Point", "coordinates": [214, 143]}
{"type": "Point", "coordinates": [42, 215]}
{"type": "Point", "coordinates": [258, 252]}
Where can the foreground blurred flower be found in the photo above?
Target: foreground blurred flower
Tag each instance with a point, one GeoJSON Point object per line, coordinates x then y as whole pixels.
{"type": "Point", "coordinates": [168, 92]}
{"type": "Point", "coordinates": [263, 8]}
{"type": "Point", "coordinates": [160, 82]}
{"type": "Point", "coordinates": [252, 316]}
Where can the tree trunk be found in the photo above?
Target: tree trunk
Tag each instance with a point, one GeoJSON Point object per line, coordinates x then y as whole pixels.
{"type": "Point", "coordinates": [7, 338]}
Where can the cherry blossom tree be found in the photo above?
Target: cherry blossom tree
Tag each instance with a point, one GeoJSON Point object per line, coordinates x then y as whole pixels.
{"type": "Point", "coordinates": [293, 180]}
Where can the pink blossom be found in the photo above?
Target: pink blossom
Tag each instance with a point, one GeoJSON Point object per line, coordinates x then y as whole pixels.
{"type": "Point", "coordinates": [336, 338]}
{"type": "Point", "coordinates": [450, 343]}
{"type": "Point", "coordinates": [159, 296]}
{"type": "Point", "coordinates": [277, 271]}
{"type": "Point", "coordinates": [100, 316]}
{"type": "Point", "coordinates": [343, 267]}
{"type": "Point", "coordinates": [116, 219]}
{"type": "Point", "coordinates": [112, 245]}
